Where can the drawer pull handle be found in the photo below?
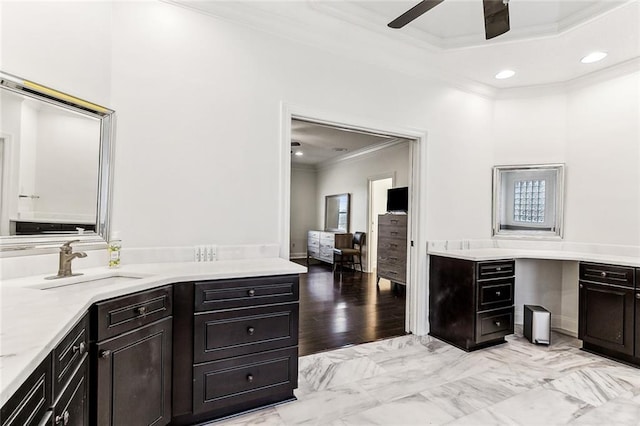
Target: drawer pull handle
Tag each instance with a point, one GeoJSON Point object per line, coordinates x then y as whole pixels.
{"type": "Point", "coordinates": [498, 269]}
{"type": "Point", "coordinates": [394, 221]}
{"type": "Point", "coordinates": [498, 293]}
{"type": "Point", "coordinates": [393, 245]}
{"type": "Point", "coordinates": [250, 331]}
{"type": "Point", "coordinates": [603, 274]}
{"type": "Point", "coordinates": [141, 310]}
{"type": "Point", "coordinates": [638, 296]}
{"type": "Point", "coordinates": [581, 285]}
{"type": "Point", "coordinates": [394, 233]}
{"type": "Point", "coordinates": [497, 323]}
{"type": "Point", "coordinates": [250, 378]}
{"type": "Point", "coordinates": [79, 348]}
{"type": "Point", "coordinates": [252, 292]}
{"type": "Point", "coordinates": [105, 354]}
{"type": "Point", "coordinates": [63, 418]}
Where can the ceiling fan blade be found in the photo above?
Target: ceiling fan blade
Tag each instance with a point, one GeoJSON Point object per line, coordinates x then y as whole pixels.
{"type": "Point", "coordinates": [413, 13]}
{"type": "Point", "coordinates": [496, 18]}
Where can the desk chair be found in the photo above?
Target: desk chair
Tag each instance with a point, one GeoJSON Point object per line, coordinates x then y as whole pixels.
{"type": "Point", "coordinates": [347, 256]}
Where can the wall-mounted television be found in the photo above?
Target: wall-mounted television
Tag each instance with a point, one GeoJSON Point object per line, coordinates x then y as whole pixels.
{"type": "Point", "coordinates": [398, 199]}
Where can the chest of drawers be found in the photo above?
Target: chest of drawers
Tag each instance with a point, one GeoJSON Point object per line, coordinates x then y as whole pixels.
{"type": "Point", "coordinates": [320, 244]}
{"type": "Point", "coordinates": [471, 304]}
{"type": "Point", "coordinates": [392, 248]}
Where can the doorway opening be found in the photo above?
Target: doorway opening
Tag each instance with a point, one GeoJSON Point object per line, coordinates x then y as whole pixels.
{"type": "Point", "coordinates": [327, 159]}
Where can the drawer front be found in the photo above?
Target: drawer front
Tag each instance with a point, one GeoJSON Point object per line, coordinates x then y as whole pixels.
{"type": "Point", "coordinates": [327, 238]}
{"type": "Point", "coordinates": [393, 232]}
{"type": "Point", "coordinates": [116, 316]}
{"type": "Point", "coordinates": [395, 272]}
{"type": "Point", "coordinates": [29, 405]}
{"type": "Point", "coordinates": [234, 332]}
{"type": "Point", "coordinates": [220, 384]}
{"type": "Point", "coordinates": [495, 293]}
{"type": "Point", "coordinates": [313, 243]}
{"type": "Point", "coordinates": [69, 353]}
{"type": "Point", "coordinates": [313, 252]}
{"type": "Point", "coordinates": [72, 409]}
{"type": "Point", "coordinates": [396, 220]}
{"type": "Point", "coordinates": [497, 269]}
{"type": "Point", "coordinates": [607, 274]}
{"type": "Point", "coordinates": [392, 246]}
{"type": "Point", "coordinates": [244, 292]}
{"type": "Point", "coordinates": [494, 324]}
{"type": "Point", "coordinates": [313, 235]}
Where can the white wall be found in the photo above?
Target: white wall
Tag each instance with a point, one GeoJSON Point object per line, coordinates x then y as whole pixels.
{"type": "Point", "coordinates": [304, 202]}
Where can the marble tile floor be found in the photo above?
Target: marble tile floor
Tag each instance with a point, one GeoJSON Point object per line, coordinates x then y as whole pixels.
{"type": "Point", "coordinates": [412, 380]}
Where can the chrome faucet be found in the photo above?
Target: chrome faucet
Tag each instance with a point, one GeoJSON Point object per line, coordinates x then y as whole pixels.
{"type": "Point", "coordinates": [66, 256]}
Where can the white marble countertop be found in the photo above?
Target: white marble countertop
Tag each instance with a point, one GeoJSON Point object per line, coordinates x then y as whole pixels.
{"type": "Point", "coordinates": [33, 321]}
{"type": "Point", "coordinates": [480, 254]}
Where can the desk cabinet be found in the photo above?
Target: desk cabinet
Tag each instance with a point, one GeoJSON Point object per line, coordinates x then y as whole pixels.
{"type": "Point", "coordinates": [607, 310]}
{"type": "Point", "coordinates": [471, 303]}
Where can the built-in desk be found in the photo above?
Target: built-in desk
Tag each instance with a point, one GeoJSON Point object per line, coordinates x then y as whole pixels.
{"type": "Point", "coordinates": [596, 290]}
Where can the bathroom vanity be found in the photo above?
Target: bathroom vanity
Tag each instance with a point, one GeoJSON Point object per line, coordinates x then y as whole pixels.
{"type": "Point", "coordinates": [189, 344]}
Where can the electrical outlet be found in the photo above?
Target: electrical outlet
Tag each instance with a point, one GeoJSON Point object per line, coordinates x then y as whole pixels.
{"type": "Point", "coordinates": [197, 254]}
{"type": "Point", "coordinates": [213, 253]}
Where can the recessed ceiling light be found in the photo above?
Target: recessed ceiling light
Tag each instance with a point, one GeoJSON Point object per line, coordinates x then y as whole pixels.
{"type": "Point", "coordinates": [298, 153]}
{"type": "Point", "coordinates": [593, 57]}
{"type": "Point", "coordinates": [505, 74]}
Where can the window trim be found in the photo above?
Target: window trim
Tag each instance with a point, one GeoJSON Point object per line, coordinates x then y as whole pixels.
{"type": "Point", "coordinates": [527, 171]}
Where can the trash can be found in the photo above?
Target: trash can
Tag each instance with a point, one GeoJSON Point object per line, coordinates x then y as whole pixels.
{"type": "Point", "coordinates": [537, 324]}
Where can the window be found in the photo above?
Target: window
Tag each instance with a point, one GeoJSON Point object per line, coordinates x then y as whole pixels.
{"type": "Point", "coordinates": [527, 200]}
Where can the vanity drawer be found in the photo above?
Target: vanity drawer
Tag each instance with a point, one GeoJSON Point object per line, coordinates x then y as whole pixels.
{"type": "Point", "coordinates": [230, 382]}
{"type": "Point", "coordinates": [497, 269]}
{"type": "Point", "coordinates": [122, 314]}
{"type": "Point", "coordinates": [73, 403]}
{"type": "Point", "coordinates": [29, 405]}
{"type": "Point", "coordinates": [607, 274]}
{"type": "Point", "coordinates": [491, 325]}
{"type": "Point", "coordinates": [495, 293]}
{"type": "Point", "coordinates": [69, 353]}
{"type": "Point", "coordinates": [244, 292]}
{"type": "Point", "coordinates": [232, 332]}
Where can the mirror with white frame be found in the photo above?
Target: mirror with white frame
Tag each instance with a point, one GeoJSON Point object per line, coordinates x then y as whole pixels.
{"type": "Point", "coordinates": [56, 154]}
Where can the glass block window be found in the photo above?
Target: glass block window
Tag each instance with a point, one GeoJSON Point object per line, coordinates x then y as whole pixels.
{"type": "Point", "coordinates": [529, 201]}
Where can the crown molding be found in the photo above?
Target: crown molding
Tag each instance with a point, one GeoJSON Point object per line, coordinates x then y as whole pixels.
{"type": "Point", "coordinates": [625, 68]}
{"type": "Point", "coordinates": [361, 153]}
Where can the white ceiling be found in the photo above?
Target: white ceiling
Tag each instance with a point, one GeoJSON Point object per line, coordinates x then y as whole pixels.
{"type": "Point", "coordinates": [321, 143]}
{"type": "Point", "coordinates": [545, 44]}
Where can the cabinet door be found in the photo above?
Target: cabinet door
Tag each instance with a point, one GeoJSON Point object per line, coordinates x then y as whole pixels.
{"type": "Point", "coordinates": [133, 377]}
{"type": "Point", "coordinates": [72, 409]}
{"type": "Point", "coordinates": [637, 327]}
{"type": "Point", "coordinates": [607, 317]}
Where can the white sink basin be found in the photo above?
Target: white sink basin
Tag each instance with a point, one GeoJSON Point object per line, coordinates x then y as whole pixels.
{"type": "Point", "coordinates": [97, 280]}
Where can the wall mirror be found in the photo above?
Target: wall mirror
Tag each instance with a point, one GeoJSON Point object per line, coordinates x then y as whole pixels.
{"type": "Point", "coordinates": [528, 200]}
{"type": "Point", "coordinates": [56, 154]}
{"type": "Point", "coordinates": [336, 212]}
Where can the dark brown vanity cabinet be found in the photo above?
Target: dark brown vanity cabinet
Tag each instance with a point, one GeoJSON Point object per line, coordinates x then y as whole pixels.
{"type": "Point", "coordinates": [607, 309]}
{"type": "Point", "coordinates": [29, 405]}
{"type": "Point", "coordinates": [71, 377]}
{"type": "Point", "coordinates": [637, 324]}
{"type": "Point", "coordinates": [56, 393]}
{"type": "Point", "coordinates": [132, 358]}
{"type": "Point", "coordinates": [243, 351]}
{"type": "Point", "coordinates": [471, 303]}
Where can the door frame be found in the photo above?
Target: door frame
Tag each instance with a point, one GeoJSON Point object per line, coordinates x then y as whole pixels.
{"type": "Point", "coordinates": [370, 180]}
{"type": "Point", "coordinates": [417, 284]}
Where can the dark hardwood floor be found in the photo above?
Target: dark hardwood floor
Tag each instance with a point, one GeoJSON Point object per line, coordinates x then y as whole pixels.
{"type": "Point", "coordinates": [340, 310]}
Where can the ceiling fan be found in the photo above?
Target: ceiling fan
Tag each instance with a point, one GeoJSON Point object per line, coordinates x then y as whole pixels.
{"type": "Point", "coordinates": [496, 16]}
